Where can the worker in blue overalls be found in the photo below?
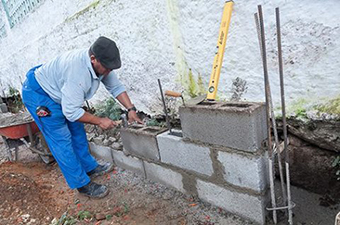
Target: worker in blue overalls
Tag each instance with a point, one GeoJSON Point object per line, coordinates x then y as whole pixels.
{"type": "Point", "coordinates": [59, 88]}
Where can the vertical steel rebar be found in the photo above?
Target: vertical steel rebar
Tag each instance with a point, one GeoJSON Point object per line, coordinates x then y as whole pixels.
{"type": "Point", "coordinates": [266, 82]}
{"type": "Point", "coordinates": [164, 106]}
{"type": "Point", "coordinates": [283, 106]}
{"type": "Point", "coordinates": [276, 138]}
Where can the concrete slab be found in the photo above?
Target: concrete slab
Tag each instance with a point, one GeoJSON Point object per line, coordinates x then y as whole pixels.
{"type": "Point", "coordinates": [238, 125]}
{"type": "Point", "coordinates": [141, 141]}
{"type": "Point", "coordinates": [245, 171]}
{"type": "Point", "coordinates": [185, 155]}
{"type": "Point", "coordinates": [244, 205]}
{"type": "Point", "coordinates": [164, 175]}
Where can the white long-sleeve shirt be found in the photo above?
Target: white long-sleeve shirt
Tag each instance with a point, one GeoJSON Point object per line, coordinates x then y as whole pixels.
{"type": "Point", "coordinates": [69, 80]}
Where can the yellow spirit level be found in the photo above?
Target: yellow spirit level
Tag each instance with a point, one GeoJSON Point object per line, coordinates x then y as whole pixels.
{"type": "Point", "coordinates": [216, 70]}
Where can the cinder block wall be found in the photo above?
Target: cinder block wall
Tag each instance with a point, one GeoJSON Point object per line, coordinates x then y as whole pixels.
{"type": "Point", "coordinates": [228, 173]}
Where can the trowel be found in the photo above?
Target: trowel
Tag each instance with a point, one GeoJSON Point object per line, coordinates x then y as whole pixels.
{"type": "Point", "coordinates": [193, 101]}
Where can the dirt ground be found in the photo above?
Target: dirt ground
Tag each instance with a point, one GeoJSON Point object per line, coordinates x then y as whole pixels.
{"type": "Point", "coordinates": [34, 193]}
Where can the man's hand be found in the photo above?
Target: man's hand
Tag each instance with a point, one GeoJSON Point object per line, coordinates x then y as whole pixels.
{"type": "Point", "coordinates": [106, 123]}
{"type": "Point", "coordinates": [132, 115]}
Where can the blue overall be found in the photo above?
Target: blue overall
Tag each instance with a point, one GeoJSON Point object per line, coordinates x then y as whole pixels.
{"type": "Point", "coordinates": [66, 140]}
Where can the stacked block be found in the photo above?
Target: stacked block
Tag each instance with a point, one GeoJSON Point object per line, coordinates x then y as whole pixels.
{"type": "Point", "coordinates": [219, 158]}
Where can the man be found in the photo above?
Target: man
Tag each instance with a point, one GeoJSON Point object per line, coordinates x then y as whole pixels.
{"type": "Point", "coordinates": [54, 94]}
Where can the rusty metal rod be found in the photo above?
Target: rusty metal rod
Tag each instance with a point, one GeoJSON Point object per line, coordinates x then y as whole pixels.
{"type": "Point", "coordinates": [283, 106]}
{"type": "Point", "coordinates": [266, 82]}
{"type": "Point", "coordinates": [164, 106]}
{"type": "Point", "coordinates": [273, 120]}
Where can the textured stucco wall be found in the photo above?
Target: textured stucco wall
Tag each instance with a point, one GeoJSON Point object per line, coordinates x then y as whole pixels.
{"type": "Point", "coordinates": [165, 38]}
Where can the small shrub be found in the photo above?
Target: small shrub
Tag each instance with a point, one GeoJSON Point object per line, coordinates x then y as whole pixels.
{"type": "Point", "coordinates": [110, 108]}
{"type": "Point", "coordinates": [14, 101]}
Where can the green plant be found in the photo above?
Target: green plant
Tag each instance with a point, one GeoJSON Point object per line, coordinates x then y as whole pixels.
{"type": "Point", "coordinates": [110, 109]}
{"type": "Point", "coordinates": [84, 215]}
{"type": "Point", "coordinates": [154, 122]}
{"type": "Point", "coordinates": [108, 217]}
{"type": "Point", "coordinates": [15, 103]}
{"type": "Point", "coordinates": [193, 88]}
{"type": "Point", "coordinates": [64, 220]}
{"type": "Point", "coordinates": [331, 107]}
{"type": "Point", "coordinates": [336, 164]}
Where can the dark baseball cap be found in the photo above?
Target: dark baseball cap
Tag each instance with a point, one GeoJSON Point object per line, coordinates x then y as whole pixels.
{"type": "Point", "coordinates": [106, 51]}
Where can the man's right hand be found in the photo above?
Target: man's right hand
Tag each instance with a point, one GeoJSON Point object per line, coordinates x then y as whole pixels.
{"type": "Point", "coordinates": [106, 123]}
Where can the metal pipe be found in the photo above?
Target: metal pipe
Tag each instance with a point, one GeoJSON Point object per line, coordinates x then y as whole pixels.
{"type": "Point", "coordinates": [164, 106]}
{"type": "Point", "coordinates": [266, 82]}
{"type": "Point", "coordinates": [283, 106]}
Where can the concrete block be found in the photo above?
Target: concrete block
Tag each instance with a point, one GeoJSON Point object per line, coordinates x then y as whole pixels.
{"type": "Point", "coordinates": [100, 152]}
{"type": "Point", "coordinates": [186, 155]}
{"type": "Point", "coordinates": [245, 205]}
{"type": "Point", "coordinates": [238, 125]}
{"type": "Point", "coordinates": [141, 141]}
{"type": "Point", "coordinates": [128, 162]}
{"type": "Point", "coordinates": [245, 171]}
{"type": "Point", "coordinates": [164, 175]}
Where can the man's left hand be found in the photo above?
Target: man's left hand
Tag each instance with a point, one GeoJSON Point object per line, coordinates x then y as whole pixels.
{"type": "Point", "coordinates": [132, 115]}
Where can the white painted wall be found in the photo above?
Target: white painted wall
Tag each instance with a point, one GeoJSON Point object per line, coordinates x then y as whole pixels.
{"type": "Point", "coordinates": [164, 38]}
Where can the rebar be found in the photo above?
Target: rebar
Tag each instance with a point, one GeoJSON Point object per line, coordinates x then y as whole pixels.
{"type": "Point", "coordinates": [283, 106]}
{"type": "Point", "coordinates": [164, 106]}
{"type": "Point", "coordinates": [266, 82]}
{"type": "Point", "coordinates": [273, 120]}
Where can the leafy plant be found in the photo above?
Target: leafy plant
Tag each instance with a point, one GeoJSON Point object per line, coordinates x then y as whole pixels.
{"type": "Point", "coordinates": [154, 122]}
{"type": "Point", "coordinates": [84, 215]}
{"type": "Point", "coordinates": [193, 87]}
{"type": "Point", "coordinates": [336, 164]}
{"type": "Point", "coordinates": [16, 103]}
{"type": "Point", "coordinates": [110, 108]}
{"type": "Point", "coordinates": [108, 217]}
{"type": "Point", "coordinates": [64, 220]}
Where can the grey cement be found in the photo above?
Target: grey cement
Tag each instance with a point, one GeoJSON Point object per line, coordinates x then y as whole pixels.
{"type": "Point", "coordinates": [188, 156]}
{"type": "Point", "coordinates": [224, 123]}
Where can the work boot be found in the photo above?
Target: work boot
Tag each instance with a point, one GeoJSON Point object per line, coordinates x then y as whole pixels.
{"type": "Point", "coordinates": [94, 190]}
{"type": "Point", "coordinates": [100, 170]}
